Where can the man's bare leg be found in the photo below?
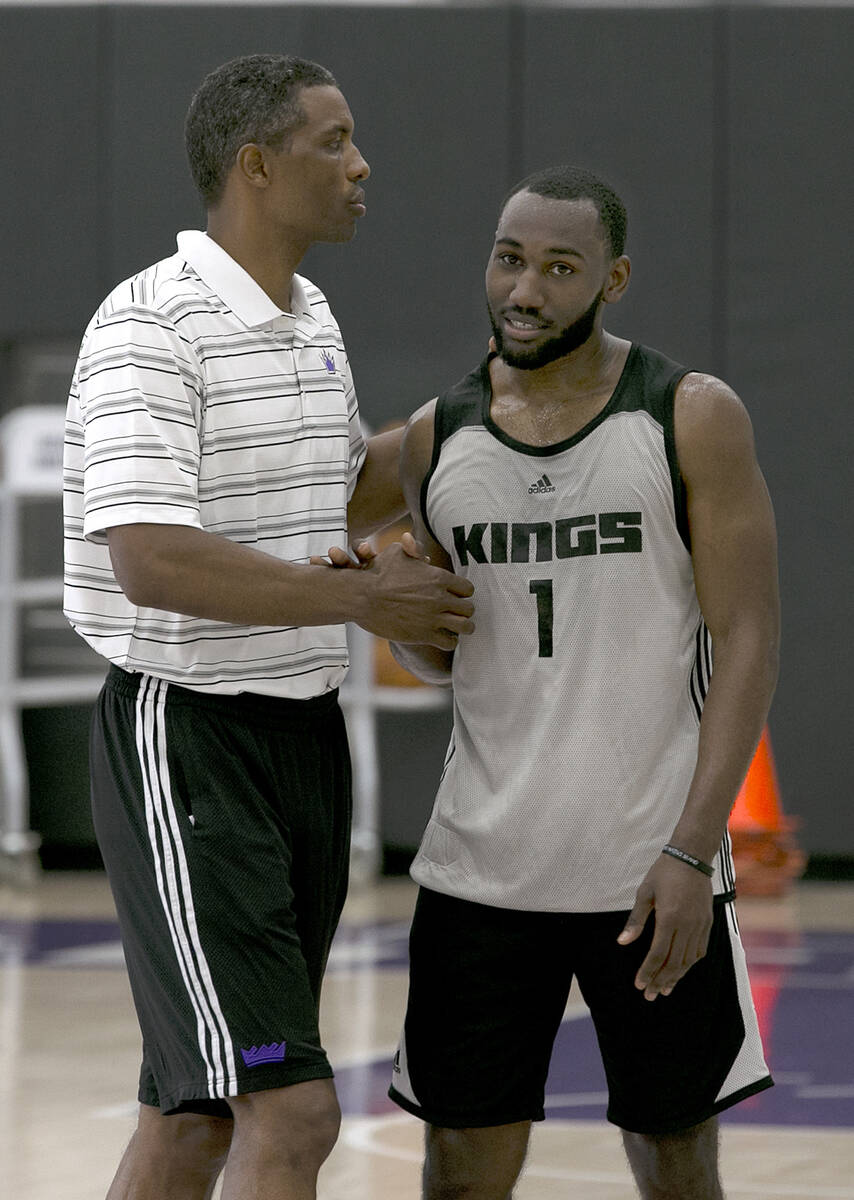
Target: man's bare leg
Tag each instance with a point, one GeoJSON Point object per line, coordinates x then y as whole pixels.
{"type": "Point", "coordinates": [281, 1139]}
{"type": "Point", "coordinates": [474, 1164]}
{"type": "Point", "coordinates": [676, 1166]}
{"type": "Point", "coordinates": [179, 1156]}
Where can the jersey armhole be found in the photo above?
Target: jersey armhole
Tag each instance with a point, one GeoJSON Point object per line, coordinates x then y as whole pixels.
{"type": "Point", "coordinates": [680, 499]}
{"type": "Point", "coordinates": [434, 461]}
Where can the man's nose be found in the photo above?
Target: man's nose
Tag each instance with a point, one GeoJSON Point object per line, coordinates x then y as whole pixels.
{"type": "Point", "coordinates": [359, 168]}
{"type": "Point", "coordinates": [527, 290]}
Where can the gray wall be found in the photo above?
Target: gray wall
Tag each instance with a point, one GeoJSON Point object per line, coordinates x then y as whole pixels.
{"type": "Point", "coordinates": [724, 129]}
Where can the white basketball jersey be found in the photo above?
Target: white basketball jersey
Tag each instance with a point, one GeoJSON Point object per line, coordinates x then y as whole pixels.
{"type": "Point", "coordinates": [577, 700]}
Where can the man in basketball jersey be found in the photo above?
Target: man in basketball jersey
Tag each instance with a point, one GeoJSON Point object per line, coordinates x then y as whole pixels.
{"type": "Point", "coordinates": [607, 505]}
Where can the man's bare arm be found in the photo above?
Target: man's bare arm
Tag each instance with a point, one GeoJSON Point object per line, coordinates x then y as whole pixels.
{"type": "Point", "coordinates": [187, 570]}
{"type": "Point", "coordinates": [378, 498]}
{"type": "Point", "coordinates": [734, 552]}
{"type": "Point", "coordinates": [429, 663]}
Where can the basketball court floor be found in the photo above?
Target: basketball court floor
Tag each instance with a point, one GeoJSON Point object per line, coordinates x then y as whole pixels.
{"type": "Point", "coordinates": [69, 1050]}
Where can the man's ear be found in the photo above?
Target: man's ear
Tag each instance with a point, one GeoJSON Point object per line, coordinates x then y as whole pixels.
{"type": "Point", "coordinates": [251, 165]}
{"type": "Point", "coordinates": [618, 280]}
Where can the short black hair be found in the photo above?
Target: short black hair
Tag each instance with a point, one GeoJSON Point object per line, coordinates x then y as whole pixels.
{"type": "Point", "coordinates": [250, 99]}
{"type": "Point", "coordinates": [573, 183]}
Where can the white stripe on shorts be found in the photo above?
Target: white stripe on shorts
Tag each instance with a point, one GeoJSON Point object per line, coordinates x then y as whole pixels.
{"type": "Point", "coordinates": [173, 882]}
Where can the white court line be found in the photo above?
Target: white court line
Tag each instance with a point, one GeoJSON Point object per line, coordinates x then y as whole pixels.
{"type": "Point", "coordinates": [575, 1099]}
{"type": "Point", "coordinates": [114, 1112]}
{"type": "Point", "coordinates": [98, 954]}
{"type": "Point", "coordinates": [780, 956]}
{"type": "Point", "coordinates": [826, 1091]}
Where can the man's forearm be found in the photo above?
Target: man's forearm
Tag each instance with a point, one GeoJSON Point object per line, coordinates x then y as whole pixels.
{"type": "Point", "coordinates": [181, 569]}
{"type": "Point", "coordinates": [186, 570]}
{"type": "Point", "coordinates": [427, 663]}
{"type": "Point", "coordinates": [734, 713]}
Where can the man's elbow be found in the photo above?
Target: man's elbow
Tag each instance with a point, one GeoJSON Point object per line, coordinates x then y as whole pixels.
{"type": "Point", "coordinates": [137, 567]}
{"type": "Point", "coordinates": [753, 643]}
{"type": "Point", "coordinates": [141, 587]}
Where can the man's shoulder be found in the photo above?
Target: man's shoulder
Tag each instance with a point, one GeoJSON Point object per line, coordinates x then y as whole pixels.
{"type": "Point", "coordinates": [159, 292]}
{"type": "Point", "coordinates": [657, 361]}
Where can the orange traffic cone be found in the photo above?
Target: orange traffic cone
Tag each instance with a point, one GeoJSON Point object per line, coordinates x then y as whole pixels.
{"type": "Point", "coordinates": [767, 858]}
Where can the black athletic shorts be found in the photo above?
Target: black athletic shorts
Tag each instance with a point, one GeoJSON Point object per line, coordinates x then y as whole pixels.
{"type": "Point", "coordinates": [488, 990]}
{"type": "Point", "coordinates": [224, 824]}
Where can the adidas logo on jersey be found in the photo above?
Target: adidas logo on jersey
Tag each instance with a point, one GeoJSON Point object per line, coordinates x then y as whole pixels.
{"type": "Point", "coordinates": [543, 484]}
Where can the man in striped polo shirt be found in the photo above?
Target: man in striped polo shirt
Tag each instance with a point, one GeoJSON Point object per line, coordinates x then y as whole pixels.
{"type": "Point", "coordinates": [213, 448]}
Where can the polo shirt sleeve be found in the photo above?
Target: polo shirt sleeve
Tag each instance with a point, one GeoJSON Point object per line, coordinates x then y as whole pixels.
{"type": "Point", "coordinates": [140, 392]}
{"type": "Point", "coordinates": [358, 446]}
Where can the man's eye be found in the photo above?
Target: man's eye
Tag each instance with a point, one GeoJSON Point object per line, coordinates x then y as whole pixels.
{"type": "Point", "coordinates": [563, 269]}
{"type": "Point", "coordinates": [510, 260]}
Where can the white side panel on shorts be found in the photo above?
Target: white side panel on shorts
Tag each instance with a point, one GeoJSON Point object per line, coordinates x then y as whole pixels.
{"type": "Point", "coordinates": [750, 1066]}
{"type": "Point", "coordinates": [400, 1072]}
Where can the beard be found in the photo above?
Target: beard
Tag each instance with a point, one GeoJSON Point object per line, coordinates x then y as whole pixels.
{"type": "Point", "coordinates": [557, 346]}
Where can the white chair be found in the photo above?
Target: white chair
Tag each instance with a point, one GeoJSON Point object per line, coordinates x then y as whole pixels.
{"type": "Point", "coordinates": [31, 444]}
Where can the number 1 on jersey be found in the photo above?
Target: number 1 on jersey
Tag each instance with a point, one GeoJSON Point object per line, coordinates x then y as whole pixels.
{"type": "Point", "coordinates": [542, 589]}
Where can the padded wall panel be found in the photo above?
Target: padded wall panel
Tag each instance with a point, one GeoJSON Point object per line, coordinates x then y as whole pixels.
{"type": "Point", "coordinates": [160, 55]}
{"type": "Point", "coordinates": [630, 94]}
{"type": "Point", "coordinates": [51, 199]}
{"type": "Point", "coordinates": [791, 186]}
{"type": "Point", "coordinates": [428, 95]}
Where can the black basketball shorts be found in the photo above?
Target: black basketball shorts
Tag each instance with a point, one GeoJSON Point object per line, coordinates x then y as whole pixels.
{"type": "Point", "coordinates": [224, 824]}
{"type": "Point", "coordinates": [488, 990]}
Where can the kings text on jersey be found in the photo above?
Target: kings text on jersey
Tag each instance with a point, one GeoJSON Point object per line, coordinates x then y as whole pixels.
{"type": "Point", "coordinates": [543, 541]}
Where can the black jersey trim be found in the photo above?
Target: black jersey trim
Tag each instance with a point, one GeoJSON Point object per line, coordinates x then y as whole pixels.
{"type": "Point", "coordinates": [680, 499]}
{"type": "Point", "coordinates": [431, 470]}
{"type": "Point", "coordinates": [648, 381]}
{"type": "Point", "coordinates": [455, 408]}
{"type": "Point", "coordinates": [613, 404]}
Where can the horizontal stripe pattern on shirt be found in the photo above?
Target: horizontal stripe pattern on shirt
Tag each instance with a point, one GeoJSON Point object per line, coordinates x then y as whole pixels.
{"type": "Point", "coordinates": [182, 413]}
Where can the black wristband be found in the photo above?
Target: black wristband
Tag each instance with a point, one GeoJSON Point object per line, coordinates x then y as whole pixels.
{"type": "Point", "coordinates": [685, 857]}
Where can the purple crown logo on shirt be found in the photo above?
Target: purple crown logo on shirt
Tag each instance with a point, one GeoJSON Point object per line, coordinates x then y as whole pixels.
{"type": "Point", "coordinates": [328, 361]}
{"type": "Point", "coordinates": [257, 1055]}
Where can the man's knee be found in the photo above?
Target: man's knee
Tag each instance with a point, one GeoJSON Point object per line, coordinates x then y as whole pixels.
{"type": "Point", "coordinates": [184, 1143]}
{"type": "Point", "coordinates": [474, 1164]}
{"type": "Point", "coordinates": [676, 1166]}
{"type": "Point", "coordinates": [297, 1124]}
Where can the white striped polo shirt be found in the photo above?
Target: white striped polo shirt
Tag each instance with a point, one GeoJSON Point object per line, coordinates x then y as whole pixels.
{"type": "Point", "coordinates": [197, 401]}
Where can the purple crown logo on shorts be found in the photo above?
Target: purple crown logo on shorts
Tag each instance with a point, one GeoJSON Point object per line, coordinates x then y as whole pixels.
{"type": "Point", "coordinates": [257, 1055]}
{"type": "Point", "coordinates": [328, 361]}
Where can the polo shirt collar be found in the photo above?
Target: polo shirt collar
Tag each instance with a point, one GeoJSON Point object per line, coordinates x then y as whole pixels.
{"type": "Point", "coordinates": [234, 285]}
